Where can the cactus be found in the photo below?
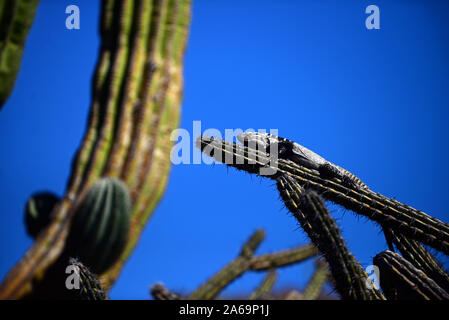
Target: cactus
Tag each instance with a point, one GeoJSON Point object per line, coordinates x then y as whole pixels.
{"type": "Point", "coordinates": [160, 292]}
{"type": "Point", "coordinates": [263, 291]}
{"type": "Point", "coordinates": [136, 94]}
{"type": "Point", "coordinates": [16, 17]}
{"type": "Point", "coordinates": [38, 212]}
{"type": "Point", "coordinates": [68, 279]}
{"type": "Point", "coordinates": [247, 261]}
{"type": "Point", "coordinates": [137, 89]}
{"type": "Point", "coordinates": [400, 280]}
{"type": "Point", "coordinates": [315, 285]}
{"type": "Point", "coordinates": [90, 287]}
{"type": "Point", "coordinates": [419, 257]}
{"type": "Point", "coordinates": [310, 211]}
{"type": "Point", "coordinates": [100, 226]}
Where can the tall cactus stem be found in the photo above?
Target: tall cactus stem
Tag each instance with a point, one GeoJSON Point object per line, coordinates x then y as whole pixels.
{"type": "Point", "coordinates": [314, 218]}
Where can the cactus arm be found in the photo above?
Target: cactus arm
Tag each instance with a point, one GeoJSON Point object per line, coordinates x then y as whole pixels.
{"type": "Point", "coordinates": [283, 258]}
{"type": "Point", "coordinates": [221, 280]}
{"type": "Point", "coordinates": [264, 289]}
{"type": "Point", "coordinates": [250, 246]}
{"type": "Point", "coordinates": [315, 285]}
{"type": "Point", "coordinates": [236, 268]}
{"type": "Point", "coordinates": [90, 287]}
{"type": "Point", "coordinates": [399, 279]}
{"type": "Point", "coordinates": [412, 223]}
{"type": "Point", "coordinates": [302, 156]}
{"type": "Point", "coordinates": [153, 175]}
{"type": "Point", "coordinates": [45, 251]}
{"type": "Point", "coordinates": [417, 255]}
{"type": "Point", "coordinates": [311, 213]}
{"type": "Point", "coordinates": [126, 95]}
{"type": "Point", "coordinates": [160, 292]}
{"type": "Point", "coordinates": [247, 261]}
{"type": "Point", "coordinates": [16, 17]}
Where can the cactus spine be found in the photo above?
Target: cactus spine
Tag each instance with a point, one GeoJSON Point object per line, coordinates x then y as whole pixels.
{"type": "Point", "coordinates": [310, 211]}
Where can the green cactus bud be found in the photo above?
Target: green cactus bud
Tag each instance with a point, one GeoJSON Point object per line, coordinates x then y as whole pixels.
{"type": "Point", "coordinates": [38, 210]}
{"type": "Point", "coordinates": [100, 225]}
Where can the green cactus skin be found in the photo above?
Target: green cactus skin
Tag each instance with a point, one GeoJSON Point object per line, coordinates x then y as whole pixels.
{"type": "Point", "coordinates": [136, 95]}
{"type": "Point", "coordinates": [16, 17]}
{"type": "Point", "coordinates": [247, 261]}
{"type": "Point", "coordinates": [263, 291]}
{"type": "Point", "coordinates": [315, 285]}
{"type": "Point", "coordinates": [309, 209]}
{"type": "Point", "coordinates": [100, 226]}
{"type": "Point", "coordinates": [400, 280]}
{"type": "Point", "coordinates": [38, 210]}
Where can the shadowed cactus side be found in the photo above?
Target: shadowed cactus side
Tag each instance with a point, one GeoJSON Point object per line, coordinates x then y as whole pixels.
{"type": "Point", "coordinates": [16, 17]}
{"type": "Point", "coordinates": [100, 226]}
{"type": "Point", "coordinates": [90, 287]}
{"type": "Point", "coordinates": [96, 239]}
{"type": "Point", "coordinates": [38, 212]}
{"type": "Point", "coordinates": [419, 257]}
{"type": "Point", "coordinates": [400, 280]}
{"type": "Point", "coordinates": [309, 209]}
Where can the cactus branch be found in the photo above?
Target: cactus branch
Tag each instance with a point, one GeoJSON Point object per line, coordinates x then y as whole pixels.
{"type": "Point", "coordinates": [311, 213]}
{"type": "Point", "coordinates": [388, 212]}
{"type": "Point", "coordinates": [400, 280]}
{"type": "Point", "coordinates": [246, 261]}
{"type": "Point", "coordinates": [315, 285]}
{"type": "Point", "coordinates": [16, 17]}
{"type": "Point", "coordinates": [264, 289]}
{"type": "Point", "coordinates": [232, 271]}
{"type": "Point", "coordinates": [282, 258]}
{"type": "Point", "coordinates": [421, 259]}
{"type": "Point", "coordinates": [160, 292]}
{"type": "Point", "coordinates": [136, 94]}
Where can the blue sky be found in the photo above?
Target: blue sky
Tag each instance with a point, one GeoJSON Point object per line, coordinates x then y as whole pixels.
{"type": "Point", "coordinates": [376, 102]}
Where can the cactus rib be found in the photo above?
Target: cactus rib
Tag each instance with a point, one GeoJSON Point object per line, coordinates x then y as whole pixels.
{"type": "Point", "coordinates": [246, 261]}
{"type": "Point", "coordinates": [400, 280]}
{"type": "Point", "coordinates": [134, 44]}
{"type": "Point", "coordinates": [310, 211]}
{"type": "Point", "coordinates": [315, 285]}
{"type": "Point", "coordinates": [412, 223]}
{"type": "Point", "coordinates": [417, 255]}
{"type": "Point", "coordinates": [264, 289]}
{"type": "Point", "coordinates": [16, 18]}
